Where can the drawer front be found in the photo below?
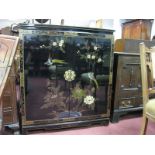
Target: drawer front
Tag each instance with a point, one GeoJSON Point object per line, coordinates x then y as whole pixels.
{"type": "Point", "coordinates": [131, 60]}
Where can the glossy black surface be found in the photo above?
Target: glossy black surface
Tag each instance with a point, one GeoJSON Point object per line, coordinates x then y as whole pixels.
{"type": "Point", "coordinates": [48, 56]}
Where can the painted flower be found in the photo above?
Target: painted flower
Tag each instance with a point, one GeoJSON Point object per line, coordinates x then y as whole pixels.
{"type": "Point", "coordinates": [95, 48]}
{"type": "Point", "coordinates": [93, 57]}
{"type": "Point", "coordinates": [60, 44]}
{"type": "Point", "coordinates": [78, 44]}
{"type": "Point", "coordinates": [69, 75]}
{"type": "Point", "coordinates": [99, 60]}
{"type": "Point", "coordinates": [54, 44]}
{"type": "Point", "coordinates": [88, 56]}
{"type": "Point", "coordinates": [78, 52]}
{"type": "Point", "coordinates": [91, 75]}
{"type": "Point", "coordinates": [89, 99]}
{"type": "Point", "coordinates": [48, 62]}
{"type": "Point", "coordinates": [62, 41]}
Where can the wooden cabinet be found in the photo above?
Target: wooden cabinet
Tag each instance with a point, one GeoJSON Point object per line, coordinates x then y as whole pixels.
{"type": "Point", "coordinates": [8, 48]}
{"type": "Point", "coordinates": [137, 29]}
{"type": "Point", "coordinates": [65, 76]}
{"type": "Point", "coordinates": [127, 89]}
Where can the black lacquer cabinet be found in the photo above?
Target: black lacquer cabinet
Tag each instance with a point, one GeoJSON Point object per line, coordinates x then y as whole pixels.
{"type": "Point", "coordinates": [66, 76]}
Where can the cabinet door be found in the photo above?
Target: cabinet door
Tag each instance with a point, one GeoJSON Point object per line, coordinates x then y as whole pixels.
{"type": "Point", "coordinates": [130, 82]}
{"type": "Point", "coordinates": [66, 76]}
{"type": "Point", "coordinates": [6, 48]}
{"type": "Point", "coordinates": [131, 30]}
{"type": "Point", "coordinates": [126, 31]}
{"type": "Point", "coordinates": [137, 29]}
{"type": "Point", "coordinates": [146, 30]}
{"type": "Point", "coordinates": [8, 45]}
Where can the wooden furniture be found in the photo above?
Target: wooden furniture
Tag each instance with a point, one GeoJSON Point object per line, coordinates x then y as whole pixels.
{"type": "Point", "coordinates": [65, 76]}
{"type": "Point", "coordinates": [126, 61]}
{"type": "Point", "coordinates": [131, 45]}
{"type": "Point", "coordinates": [8, 48]}
{"type": "Point", "coordinates": [137, 29]}
{"type": "Point", "coordinates": [127, 96]}
{"type": "Point", "coordinates": [147, 74]}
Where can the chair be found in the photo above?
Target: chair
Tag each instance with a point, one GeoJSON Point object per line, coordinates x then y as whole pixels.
{"type": "Point", "coordinates": [147, 85]}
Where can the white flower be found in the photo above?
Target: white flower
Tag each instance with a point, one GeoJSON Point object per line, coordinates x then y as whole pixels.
{"type": "Point", "coordinates": [93, 57]}
{"type": "Point", "coordinates": [69, 75]}
{"type": "Point", "coordinates": [99, 60]}
{"type": "Point", "coordinates": [62, 41]}
{"type": "Point", "coordinates": [89, 99]}
{"type": "Point", "coordinates": [54, 44]}
{"type": "Point", "coordinates": [78, 52]}
{"type": "Point", "coordinates": [95, 48]}
{"type": "Point", "coordinates": [78, 44]}
{"type": "Point", "coordinates": [88, 56]}
{"type": "Point", "coordinates": [48, 62]}
{"type": "Point", "coordinates": [91, 75]}
{"type": "Point", "coordinates": [60, 44]}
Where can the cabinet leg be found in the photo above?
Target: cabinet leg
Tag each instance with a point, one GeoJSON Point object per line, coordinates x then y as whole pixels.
{"type": "Point", "coordinates": [105, 123]}
{"type": "Point", "coordinates": [24, 132]}
{"type": "Point", "coordinates": [115, 117]}
{"type": "Point", "coordinates": [16, 132]}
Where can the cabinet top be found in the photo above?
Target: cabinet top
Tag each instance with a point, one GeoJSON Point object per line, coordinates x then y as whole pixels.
{"type": "Point", "coordinates": [126, 53]}
{"type": "Point", "coordinates": [136, 20]}
{"type": "Point", "coordinates": [64, 28]}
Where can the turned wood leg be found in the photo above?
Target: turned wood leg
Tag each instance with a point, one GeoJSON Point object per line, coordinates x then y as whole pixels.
{"type": "Point", "coordinates": [144, 126]}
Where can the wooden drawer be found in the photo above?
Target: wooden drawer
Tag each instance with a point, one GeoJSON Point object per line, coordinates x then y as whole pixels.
{"type": "Point", "coordinates": [130, 60]}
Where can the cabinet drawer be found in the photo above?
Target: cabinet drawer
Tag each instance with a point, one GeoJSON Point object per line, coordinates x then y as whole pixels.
{"type": "Point", "coordinates": [129, 103]}
{"type": "Point", "coordinates": [130, 60]}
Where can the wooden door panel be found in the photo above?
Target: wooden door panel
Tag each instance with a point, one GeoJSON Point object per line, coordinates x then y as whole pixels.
{"type": "Point", "coordinates": [136, 30]}
{"type": "Point", "coordinates": [130, 82]}
{"type": "Point", "coordinates": [126, 32]}
{"type": "Point", "coordinates": [4, 51]}
{"type": "Point", "coordinates": [6, 46]}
